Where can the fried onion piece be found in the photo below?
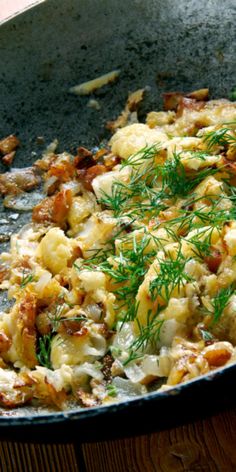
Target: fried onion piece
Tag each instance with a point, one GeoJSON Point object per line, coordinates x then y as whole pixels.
{"type": "Point", "coordinates": [18, 180]}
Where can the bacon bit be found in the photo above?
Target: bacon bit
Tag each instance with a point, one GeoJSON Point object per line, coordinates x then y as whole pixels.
{"type": "Point", "coordinates": [27, 310]}
{"type": "Point", "coordinates": [173, 99]}
{"type": "Point", "coordinates": [82, 332]}
{"type": "Point", "coordinates": [9, 144]}
{"type": "Point", "coordinates": [105, 331]}
{"type": "Point", "coordinates": [214, 260]}
{"type": "Point", "coordinates": [107, 365]}
{"type": "Point", "coordinates": [42, 213]}
{"type": "Point", "coordinates": [53, 209]}
{"type": "Point", "coordinates": [87, 175]}
{"type": "Point", "coordinates": [17, 180]}
{"type": "Point", "coordinates": [8, 158]}
{"type": "Point", "coordinates": [63, 171]}
{"type": "Point", "coordinates": [61, 207]}
{"type": "Point", "coordinates": [84, 158]}
{"type": "Point", "coordinates": [5, 342]}
{"type": "Point", "coordinates": [87, 399]}
{"type": "Point", "coordinates": [188, 104]}
{"type": "Point", "coordinates": [217, 357]}
{"type": "Point", "coordinates": [73, 327]}
{"type": "Point", "coordinates": [4, 273]}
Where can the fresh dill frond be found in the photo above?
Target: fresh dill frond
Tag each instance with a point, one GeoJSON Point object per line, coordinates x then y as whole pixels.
{"type": "Point", "coordinates": [148, 334]}
{"type": "Point", "coordinates": [220, 302]}
{"type": "Point", "coordinates": [171, 275]}
{"type": "Point", "coordinates": [220, 137]}
{"type": "Point", "coordinates": [202, 243]}
{"type": "Point", "coordinates": [111, 390]}
{"type": "Point", "coordinates": [44, 350]}
{"type": "Point", "coordinates": [143, 155]}
{"type": "Point", "coordinates": [27, 277]}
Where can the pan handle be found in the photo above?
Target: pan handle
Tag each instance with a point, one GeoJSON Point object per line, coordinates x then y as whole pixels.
{"type": "Point", "coordinates": [11, 8]}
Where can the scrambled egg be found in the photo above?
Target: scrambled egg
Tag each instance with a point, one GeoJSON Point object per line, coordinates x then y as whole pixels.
{"type": "Point", "coordinates": [127, 274]}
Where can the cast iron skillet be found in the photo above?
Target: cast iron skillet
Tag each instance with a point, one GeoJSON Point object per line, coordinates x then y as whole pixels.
{"type": "Point", "coordinates": [181, 45]}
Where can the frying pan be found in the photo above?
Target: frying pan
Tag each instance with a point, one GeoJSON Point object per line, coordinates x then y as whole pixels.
{"type": "Point", "coordinates": [163, 44]}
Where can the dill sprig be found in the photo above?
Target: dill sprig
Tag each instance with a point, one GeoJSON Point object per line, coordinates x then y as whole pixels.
{"type": "Point", "coordinates": [111, 390]}
{"type": "Point", "coordinates": [149, 334]}
{"type": "Point", "coordinates": [151, 187]}
{"type": "Point", "coordinates": [221, 301]}
{"type": "Point", "coordinates": [44, 350]}
{"type": "Point", "coordinates": [220, 137]}
{"type": "Point", "coordinates": [202, 243]}
{"type": "Point", "coordinates": [27, 277]}
{"type": "Point", "coordinates": [127, 271]}
{"type": "Point", "coordinates": [171, 275]}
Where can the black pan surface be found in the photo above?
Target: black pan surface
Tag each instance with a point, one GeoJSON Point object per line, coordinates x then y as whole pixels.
{"type": "Point", "coordinates": [163, 44]}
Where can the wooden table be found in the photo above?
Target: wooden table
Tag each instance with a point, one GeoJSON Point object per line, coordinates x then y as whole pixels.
{"type": "Point", "coordinates": [203, 446]}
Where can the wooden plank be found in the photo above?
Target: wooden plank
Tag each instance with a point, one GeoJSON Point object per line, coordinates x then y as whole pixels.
{"type": "Point", "coordinates": [203, 446]}
{"type": "Point", "coordinates": [23, 457]}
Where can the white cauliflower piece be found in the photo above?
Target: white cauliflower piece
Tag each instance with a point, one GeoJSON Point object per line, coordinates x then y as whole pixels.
{"type": "Point", "coordinates": [133, 138]}
{"type": "Point", "coordinates": [55, 250]}
{"type": "Point", "coordinates": [92, 280]}
{"type": "Point", "coordinates": [102, 184]}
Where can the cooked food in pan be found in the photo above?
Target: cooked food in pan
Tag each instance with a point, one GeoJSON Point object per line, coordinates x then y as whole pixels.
{"type": "Point", "coordinates": [125, 280]}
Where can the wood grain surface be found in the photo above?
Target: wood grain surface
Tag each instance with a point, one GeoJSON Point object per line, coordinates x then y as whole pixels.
{"type": "Point", "coordinates": [203, 446]}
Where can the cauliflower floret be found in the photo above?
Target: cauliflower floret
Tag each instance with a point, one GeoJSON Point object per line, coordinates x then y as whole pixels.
{"type": "Point", "coordinates": [55, 250]}
{"type": "Point", "coordinates": [102, 184]}
{"type": "Point", "coordinates": [92, 280]}
{"type": "Point", "coordinates": [133, 138]}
